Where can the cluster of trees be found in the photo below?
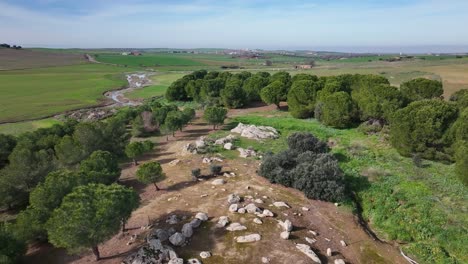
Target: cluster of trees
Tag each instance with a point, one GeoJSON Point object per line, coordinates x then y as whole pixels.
{"type": "Point", "coordinates": [154, 116]}
{"type": "Point", "coordinates": [306, 166]}
{"type": "Point", "coordinates": [8, 46]}
{"type": "Point", "coordinates": [226, 89]}
{"type": "Point", "coordinates": [64, 177]}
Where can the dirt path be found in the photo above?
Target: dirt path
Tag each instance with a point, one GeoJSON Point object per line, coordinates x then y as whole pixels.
{"type": "Point", "coordinates": [181, 196]}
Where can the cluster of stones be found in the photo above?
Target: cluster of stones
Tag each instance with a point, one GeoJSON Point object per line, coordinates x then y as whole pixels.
{"type": "Point", "coordinates": [155, 252]}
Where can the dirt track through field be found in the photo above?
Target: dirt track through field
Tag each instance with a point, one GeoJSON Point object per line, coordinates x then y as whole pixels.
{"type": "Point", "coordinates": [180, 195]}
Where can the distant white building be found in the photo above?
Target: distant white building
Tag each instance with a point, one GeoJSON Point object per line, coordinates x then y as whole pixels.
{"type": "Point", "coordinates": [125, 53]}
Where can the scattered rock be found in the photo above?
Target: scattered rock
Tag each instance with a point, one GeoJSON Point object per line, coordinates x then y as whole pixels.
{"type": "Point", "coordinates": [228, 146]}
{"type": "Point", "coordinates": [329, 252]}
{"type": "Point", "coordinates": [241, 211]}
{"type": "Point", "coordinates": [233, 208]}
{"type": "Point", "coordinates": [233, 198]}
{"type": "Point", "coordinates": [200, 142]}
{"type": "Point", "coordinates": [255, 132]}
{"type": "Point", "coordinates": [218, 182]}
{"type": "Point", "coordinates": [265, 260]}
{"type": "Point", "coordinates": [281, 204]}
{"type": "Point", "coordinates": [245, 153]}
{"type": "Point", "coordinates": [174, 162]}
{"type": "Point", "coordinates": [193, 261]}
{"type": "Point", "coordinates": [313, 232]}
{"type": "Point", "coordinates": [337, 204]}
{"type": "Point", "coordinates": [205, 254]}
{"type": "Point", "coordinates": [236, 227]}
{"type": "Point", "coordinates": [259, 201]}
{"type": "Point", "coordinates": [202, 216]}
{"type": "Point", "coordinates": [206, 160]}
{"type": "Point", "coordinates": [195, 223]}
{"type": "Point", "coordinates": [187, 230]}
{"type": "Point", "coordinates": [172, 220]}
{"type": "Point", "coordinates": [203, 195]}
{"type": "Point", "coordinates": [225, 140]}
{"type": "Point", "coordinates": [160, 234]}
{"type": "Point", "coordinates": [266, 213]}
{"type": "Point", "coordinates": [285, 235]}
{"type": "Point", "coordinates": [176, 261]}
{"type": "Point", "coordinates": [305, 209]}
{"type": "Point", "coordinates": [339, 261]}
{"type": "Point", "coordinates": [248, 238]}
{"type": "Point", "coordinates": [310, 240]}
{"type": "Point", "coordinates": [343, 244]}
{"type": "Point", "coordinates": [286, 225]}
{"type": "Point", "coordinates": [257, 221]}
{"type": "Point", "coordinates": [177, 239]}
{"type": "Point", "coordinates": [223, 221]}
{"type": "Point", "coordinates": [252, 208]}
{"type": "Point", "coordinates": [308, 252]}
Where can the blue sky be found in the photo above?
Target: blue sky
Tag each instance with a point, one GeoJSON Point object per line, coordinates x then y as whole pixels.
{"type": "Point", "coordinates": [291, 24]}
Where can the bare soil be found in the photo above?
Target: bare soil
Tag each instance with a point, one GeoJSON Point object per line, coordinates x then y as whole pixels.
{"type": "Point", "coordinates": [182, 196]}
{"type": "Point", "coordinates": [12, 59]}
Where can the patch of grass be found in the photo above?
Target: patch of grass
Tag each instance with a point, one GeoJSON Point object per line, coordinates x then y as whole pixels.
{"type": "Point", "coordinates": [27, 126]}
{"type": "Point", "coordinates": [147, 60]}
{"type": "Point", "coordinates": [423, 207]}
{"type": "Point", "coordinates": [35, 93]}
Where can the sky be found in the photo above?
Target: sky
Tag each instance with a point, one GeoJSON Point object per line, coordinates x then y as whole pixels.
{"type": "Point", "coordinates": [339, 25]}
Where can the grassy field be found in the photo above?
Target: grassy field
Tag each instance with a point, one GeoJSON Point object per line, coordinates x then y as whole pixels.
{"type": "Point", "coordinates": [160, 84]}
{"type": "Point", "coordinates": [35, 93]}
{"type": "Point", "coordinates": [27, 126]}
{"type": "Point", "coordinates": [148, 60]}
{"type": "Point", "coordinates": [423, 207]}
{"type": "Point", "coordinates": [11, 59]}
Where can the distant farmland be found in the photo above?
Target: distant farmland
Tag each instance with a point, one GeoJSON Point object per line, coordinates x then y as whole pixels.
{"type": "Point", "coordinates": [11, 59]}
{"type": "Point", "coordinates": [148, 60]}
{"type": "Point", "coordinates": [35, 93]}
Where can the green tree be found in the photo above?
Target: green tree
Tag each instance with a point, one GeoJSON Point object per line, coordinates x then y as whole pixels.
{"type": "Point", "coordinates": [461, 161]}
{"type": "Point", "coordinates": [302, 97]}
{"type": "Point", "coordinates": [7, 144]}
{"type": "Point", "coordinates": [254, 85]}
{"type": "Point", "coordinates": [303, 77]}
{"type": "Point", "coordinates": [377, 102]}
{"type": "Point", "coordinates": [189, 114]}
{"type": "Point", "coordinates": [174, 121]}
{"type": "Point", "coordinates": [274, 93]}
{"type": "Point", "coordinates": [90, 215]}
{"type": "Point", "coordinates": [151, 172]}
{"type": "Point", "coordinates": [100, 167]}
{"type": "Point", "coordinates": [138, 126]}
{"type": "Point", "coordinates": [133, 150]}
{"type": "Point", "coordinates": [89, 135]}
{"type": "Point", "coordinates": [68, 151]}
{"type": "Point", "coordinates": [460, 98]}
{"type": "Point", "coordinates": [211, 88]}
{"type": "Point", "coordinates": [421, 88]}
{"type": "Point", "coordinates": [176, 91]}
{"type": "Point", "coordinates": [233, 95]}
{"type": "Point", "coordinates": [215, 115]}
{"type": "Point", "coordinates": [336, 110]}
{"type": "Point", "coordinates": [420, 127]}
{"type": "Point", "coordinates": [284, 77]}
{"type": "Point", "coordinates": [10, 247]}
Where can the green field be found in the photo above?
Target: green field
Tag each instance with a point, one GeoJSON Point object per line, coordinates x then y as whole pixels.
{"type": "Point", "coordinates": [424, 207]}
{"type": "Point", "coordinates": [35, 93]}
{"type": "Point", "coordinates": [148, 60]}
{"type": "Point", "coordinates": [27, 126]}
{"type": "Point", "coordinates": [160, 84]}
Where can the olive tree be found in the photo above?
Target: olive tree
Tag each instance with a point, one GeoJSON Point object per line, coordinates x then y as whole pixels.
{"type": "Point", "coordinates": [215, 115]}
{"type": "Point", "coordinates": [151, 172]}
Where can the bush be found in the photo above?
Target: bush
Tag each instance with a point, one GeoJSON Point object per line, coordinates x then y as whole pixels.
{"type": "Point", "coordinates": [460, 98]}
{"type": "Point", "coordinates": [306, 167]}
{"type": "Point", "coordinates": [196, 173]}
{"type": "Point", "coordinates": [253, 87]}
{"type": "Point", "coordinates": [274, 93]}
{"type": "Point", "coordinates": [420, 127]}
{"type": "Point", "coordinates": [461, 161]}
{"type": "Point", "coordinates": [10, 247]}
{"type": "Point", "coordinates": [421, 88]}
{"type": "Point", "coordinates": [233, 95]}
{"type": "Point", "coordinates": [215, 169]}
{"type": "Point", "coordinates": [377, 102]}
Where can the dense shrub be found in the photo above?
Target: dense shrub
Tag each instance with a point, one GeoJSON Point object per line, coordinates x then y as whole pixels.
{"type": "Point", "coordinates": [302, 97]}
{"type": "Point", "coordinates": [421, 88]}
{"type": "Point", "coordinates": [306, 166]}
{"type": "Point", "coordinates": [176, 91]}
{"type": "Point", "coordinates": [10, 247]}
{"type": "Point", "coordinates": [7, 144]}
{"type": "Point", "coordinates": [461, 161]}
{"type": "Point", "coordinates": [215, 169]}
{"type": "Point", "coordinates": [233, 95]}
{"type": "Point", "coordinates": [420, 127]}
{"type": "Point", "coordinates": [460, 98]}
{"type": "Point", "coordinates": [336, 110]}
{"type": "Point", "coordinates": [254, 85]}
{"type": "Point", "coordinates": [274, 93]}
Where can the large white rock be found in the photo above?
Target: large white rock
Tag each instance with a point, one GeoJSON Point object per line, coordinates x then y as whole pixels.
{"type": "Point", "coordinates": [195, 223]}
{"type": "Point", "coordinates": [248, 238]}
{"type": "Point", "coordinates": [308, 252]}
{"type": "Point", "coordinates": [233, 208]}
{"type": "Point", "coordinates": [236, 227]}
{"type": "Point", "coordinates": [223, 221]}
{"type": "Point", "coordinates": [245, 153]}
{"type": "Point", "coordinates": [224, 140]}
{"type": "Point", "coordinates": [176, 261]}
{"type": "Point", "coordinates": [200, 143]}
{"type": "Point", "coordinates": [228, 146]}
{"type": "Point", "coordinates": [205, 254]}
{"type": "Point", "coordinates": [310, 240]}
{"type": "Point", "coordinates": [285, 235]}
{"type": "Point", "coordinates": [265, 213]}
{"type": "Point", "coordinates": [255, 132]}
{"type": "Point", "coordinates": [233, 198]}
{"type": "Point", "coordinates": [339, 261]}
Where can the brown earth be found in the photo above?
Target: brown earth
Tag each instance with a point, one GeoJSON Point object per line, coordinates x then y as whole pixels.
{"type": "Point", "coordinates": [12, 59]}
{"type": "Point", "coordinates": [180, 195]}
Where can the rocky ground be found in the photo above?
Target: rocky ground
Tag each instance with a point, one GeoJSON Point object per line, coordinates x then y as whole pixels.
{"type": "Point", "coordinates": [278, 226]}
